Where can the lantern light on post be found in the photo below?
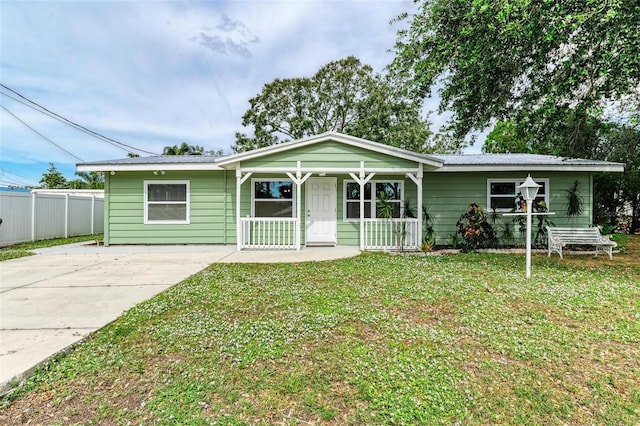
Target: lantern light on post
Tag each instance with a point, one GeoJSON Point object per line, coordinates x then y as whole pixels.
{"type": "Point", "coordinates": [529, 190]}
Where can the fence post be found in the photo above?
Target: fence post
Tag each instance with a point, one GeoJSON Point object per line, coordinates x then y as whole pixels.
{"type": "Point", "coordinates": [93, 214]}
{"type": "Point", "coordinates": [66, 215]}
{"type": "Point", "coordinates": [34, 197]}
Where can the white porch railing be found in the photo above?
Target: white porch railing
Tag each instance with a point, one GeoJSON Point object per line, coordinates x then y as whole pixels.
{"type": "Point", "coordinates": [268, 233]}
{"type": "Point", "coordinates": [391, 234]}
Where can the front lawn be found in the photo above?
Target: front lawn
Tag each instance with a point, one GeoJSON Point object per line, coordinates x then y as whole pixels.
{"type": "Point", "coordinates": [374, 339]}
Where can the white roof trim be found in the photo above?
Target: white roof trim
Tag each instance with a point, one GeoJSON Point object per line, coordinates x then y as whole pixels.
{"type": "Point", "coordinates": [332, 170]}
{"type": "Point", "coordinates": [146, 167]}
{"type": "Point", "coordinates": [339, 137]}
{"type": "Point", "coordinates": [532, 167]}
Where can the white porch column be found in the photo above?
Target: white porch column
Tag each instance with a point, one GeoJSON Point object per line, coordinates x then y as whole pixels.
{"type": "Point", "coordinates": [417, 179]}
{"type": "Point", "coordinates": [420, 218]}
{"type": "Point", "coordinates": [238, 224]}
{"type": "Point", "coordinates": [362, 180]}
{"type": "Point", "coordinates": [239, 181]}
{"type": "Point", "coordinates": [361, 210]}
{"type": "Point", "coordinates": [298, 179]}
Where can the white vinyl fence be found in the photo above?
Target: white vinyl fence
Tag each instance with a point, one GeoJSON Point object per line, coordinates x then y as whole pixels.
{"type": "Point", "coordinates": [32, 216]}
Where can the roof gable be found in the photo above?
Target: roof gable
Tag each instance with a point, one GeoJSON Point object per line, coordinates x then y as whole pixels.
{"type": "Point", "coordinates": [232, 160]}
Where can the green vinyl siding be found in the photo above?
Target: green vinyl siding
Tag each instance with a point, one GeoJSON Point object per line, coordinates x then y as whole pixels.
{"type": "Point", "coordinates": [329, 154]}
{"type": "Point", "coordinates": [213, 202]}
{"type": "Point", "coordinates": [447, 196]}
{"type": "Point", "coordinates": [211, 218]}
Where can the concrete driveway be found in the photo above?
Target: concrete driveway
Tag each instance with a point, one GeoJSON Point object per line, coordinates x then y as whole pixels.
{"type": "Point", "coordinates": [56, 298]}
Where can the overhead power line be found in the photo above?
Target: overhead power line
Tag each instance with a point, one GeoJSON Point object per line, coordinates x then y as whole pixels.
{"type": "Point", "coordinates": [41, 135]}
{"type": "Point", "coordinates": [36, 106]}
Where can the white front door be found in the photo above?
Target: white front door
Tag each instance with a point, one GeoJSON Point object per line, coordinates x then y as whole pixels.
{"type": "Point", "coordinates": [321, 203]}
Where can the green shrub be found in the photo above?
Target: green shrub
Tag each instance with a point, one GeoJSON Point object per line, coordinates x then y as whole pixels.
{"type": "Point", "coordinates": [475, 229]}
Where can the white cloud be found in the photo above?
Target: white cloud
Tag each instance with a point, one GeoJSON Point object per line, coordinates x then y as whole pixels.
{"type": "Point", "coordinates": [152, 74]}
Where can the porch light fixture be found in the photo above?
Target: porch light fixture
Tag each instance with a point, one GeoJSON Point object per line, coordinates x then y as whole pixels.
{"type": "Point", "coordinates": [529, 190]}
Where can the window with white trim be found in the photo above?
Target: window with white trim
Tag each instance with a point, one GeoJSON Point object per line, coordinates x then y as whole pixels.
{"type": "Point", "coordinates": [392, 190]}
{"type": "Point", "coordinates": [502, 194]}
{"type": "Point", "coordinates": [166, 201]}
{"type": "Point", "coordinates": [272, 198]}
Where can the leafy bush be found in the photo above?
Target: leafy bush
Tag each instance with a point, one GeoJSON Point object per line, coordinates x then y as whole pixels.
{"type": "Point", "coordinates": [475, 229]}
{"type": "Point", "coordinates": [538, 224]}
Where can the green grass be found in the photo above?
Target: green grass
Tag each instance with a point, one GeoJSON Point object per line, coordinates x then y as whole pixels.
{"type": "Point", "coordinates": [23, 250]}
{"type": "Point", "coordinates": [460, 339]}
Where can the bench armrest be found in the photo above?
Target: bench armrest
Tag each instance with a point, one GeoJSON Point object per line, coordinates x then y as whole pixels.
{"type": "Point", "coordinates": [606, 239]}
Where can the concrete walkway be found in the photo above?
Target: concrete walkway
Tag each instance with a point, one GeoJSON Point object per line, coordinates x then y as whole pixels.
{"type": "Point", "coordinates": [56, 298]}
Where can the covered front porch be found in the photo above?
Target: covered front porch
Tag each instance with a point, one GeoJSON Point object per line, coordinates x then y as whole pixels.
{"type": "Point", "coordinates": [329, 190]}
{"type": "Point", "coordinates": [317, 207]}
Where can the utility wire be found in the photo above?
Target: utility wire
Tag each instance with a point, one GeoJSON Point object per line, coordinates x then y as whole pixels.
{"type": "Point", "coordinates": [62, 120]}
{"type": "Point", "coordinates": [8, 180]}
{"type": "Point", "coordinates": [40, 134]}
{"type": "Point", "coordinates": [73, 124]}
{"type": "Point", "coordinates": [4, 170]}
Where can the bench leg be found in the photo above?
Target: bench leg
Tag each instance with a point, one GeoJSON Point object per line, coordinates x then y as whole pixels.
{"type": "Point", "coordinates": [554, 247]}
{"type": "Point", "coordinates": [606, 249]}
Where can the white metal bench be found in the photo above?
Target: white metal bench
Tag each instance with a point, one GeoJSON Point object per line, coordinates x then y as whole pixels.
{"type": "Point", "coordinates": [560, 237]}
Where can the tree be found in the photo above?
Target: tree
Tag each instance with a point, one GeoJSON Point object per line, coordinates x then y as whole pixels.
{"type": "Point", "coordinates": [53, 179]}
{"type": "Point", "coordinates": [523, 60]}
{"type": "Point", "coordinates": [343, 96]}
{"type": "Point", "coordinates": [183, 149]}
{"type": "Point", "coordinates": [569, 134]}
{"type": "Point", "coordinates": [215, 153]}
{"type": "Point", "coordinates": [506, 137]}
{"type": "Point", "coordinates": [613, 192]}
{"type": "Point", "coordinates": [91, 180]}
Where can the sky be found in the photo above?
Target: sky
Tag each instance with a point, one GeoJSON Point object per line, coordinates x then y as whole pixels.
{"type": "Point", "coordinates": [150, 74]}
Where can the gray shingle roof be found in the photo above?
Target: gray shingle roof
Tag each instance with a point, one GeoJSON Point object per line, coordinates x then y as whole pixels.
{"type": "Point", "coordinates": [514, 159]}
{"type": "Point", "coordinates": [156, 159]}
{"type": "Point", "coordinates": [457, 162]}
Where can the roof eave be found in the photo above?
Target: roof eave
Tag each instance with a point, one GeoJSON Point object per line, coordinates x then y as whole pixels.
{"type": "Point", "coordinates": [610, 168]}
{"type": "Point", "coordinates": [145, 167]}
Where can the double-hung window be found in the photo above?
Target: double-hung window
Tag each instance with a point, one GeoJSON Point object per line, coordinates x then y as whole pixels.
{"type": "Point", "coordinates": [372, 191]}
{"type": "Point", "coordinates": [502, 194]}
{"type": "Point", "coordinates": [166, 202]}
{"type": "Point", "coordinates": [272, 198]}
